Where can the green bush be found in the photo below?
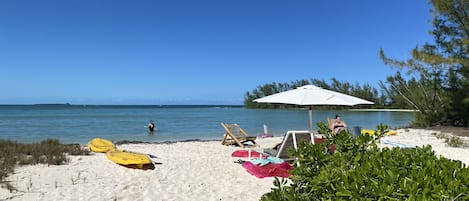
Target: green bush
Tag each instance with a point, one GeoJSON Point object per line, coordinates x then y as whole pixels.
{"type": "Point", "coordinates": [324, 129]}
{"type": "Point", "coordinates": [48, 151]}
{"type": "Point", "coordinates": [454, 141]}
{"type": "Point", "coordinates": [358, 170]}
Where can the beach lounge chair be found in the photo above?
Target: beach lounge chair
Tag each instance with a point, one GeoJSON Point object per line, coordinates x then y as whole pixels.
{"type": "Point", "coordinates": [291, 140]}
{"type": "Point", "coordinates": [330, 121]}
{"type": "Point", "coordinates": [235, 135]}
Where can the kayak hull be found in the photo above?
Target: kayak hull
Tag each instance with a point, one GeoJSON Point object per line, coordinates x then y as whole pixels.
{"type": "Point", "coordinates": [372, 132]}
{"type": "Point", "coordinates": [100, 145]}
{"type": "Point", "coordinates": [130, 159]}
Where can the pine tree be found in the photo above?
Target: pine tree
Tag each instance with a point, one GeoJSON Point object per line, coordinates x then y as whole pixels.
{"type": "Point", "coordinates": [439, 87]}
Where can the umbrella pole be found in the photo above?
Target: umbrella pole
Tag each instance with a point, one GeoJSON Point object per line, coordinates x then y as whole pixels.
{"type": "Point", "coordinates": [311, 123]}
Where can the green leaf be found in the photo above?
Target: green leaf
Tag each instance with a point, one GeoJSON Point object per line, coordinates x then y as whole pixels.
{"type": "Point", "coordinates": [344, 193]}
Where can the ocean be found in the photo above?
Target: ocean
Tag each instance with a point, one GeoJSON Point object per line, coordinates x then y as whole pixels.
{"type": "Point", "coordinates": [81, 123]}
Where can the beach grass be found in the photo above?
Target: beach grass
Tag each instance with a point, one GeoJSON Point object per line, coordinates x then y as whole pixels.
{"type": "Point", "coordinates": [49, 151]}
{"type": "Point", "coordinates": [453, 141]}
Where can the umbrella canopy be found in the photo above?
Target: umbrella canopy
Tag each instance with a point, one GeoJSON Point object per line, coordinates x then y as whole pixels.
{"type": "Point", "coordinates": [310, 95]}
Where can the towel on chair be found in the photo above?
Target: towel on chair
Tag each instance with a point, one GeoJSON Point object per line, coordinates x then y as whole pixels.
{"type": "Point", "coordinates": [265, 161]}
{"type": "Point", "coordinates": [245, 153]}
{"type": "Point", "coordinates": [269, 170]}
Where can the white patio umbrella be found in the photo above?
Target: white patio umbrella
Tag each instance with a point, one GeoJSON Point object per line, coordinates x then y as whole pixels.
{"type": "Point", "coordinates": [310, 95]}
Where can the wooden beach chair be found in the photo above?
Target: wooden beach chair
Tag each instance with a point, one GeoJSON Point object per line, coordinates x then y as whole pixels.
{"type": "Point", "coordinates": [235, 135]}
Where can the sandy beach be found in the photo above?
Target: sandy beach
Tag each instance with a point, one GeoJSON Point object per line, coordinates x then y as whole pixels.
{"type": "Point", "coordinates": [183, 171]}
{"type": "Point", "coordinates": [421, 137]}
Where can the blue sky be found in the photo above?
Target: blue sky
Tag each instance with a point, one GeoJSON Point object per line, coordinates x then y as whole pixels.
{"type": "Point", "coordinates": [195, 52]}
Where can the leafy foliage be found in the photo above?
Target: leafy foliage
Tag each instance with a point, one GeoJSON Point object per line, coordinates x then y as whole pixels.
{"type": "Point", "coordinates": [324, 129]}
{"type": "Point", "coordinates": [358, 170]}
{"type": "Point", "coordinates": [381, 130]}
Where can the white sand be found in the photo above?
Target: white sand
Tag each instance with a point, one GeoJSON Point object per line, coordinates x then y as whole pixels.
{"type": "Point", "coordinates": [188, 171]}
{"type": "Point", "coordinates": [421, 137]}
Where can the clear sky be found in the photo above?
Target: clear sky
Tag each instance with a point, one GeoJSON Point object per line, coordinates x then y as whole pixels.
{"type": "Point", "coordinates": [195, 51]}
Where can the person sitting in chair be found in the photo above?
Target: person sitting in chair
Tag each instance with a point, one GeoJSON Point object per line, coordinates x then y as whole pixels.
{"type": "Point", "coordinates": [337, 125]}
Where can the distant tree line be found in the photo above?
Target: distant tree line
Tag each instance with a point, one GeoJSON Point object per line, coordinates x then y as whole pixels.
{"type": "Point", "coordinates": [435, 81]}
{"type": "Point", "coordinates": [364, 91]}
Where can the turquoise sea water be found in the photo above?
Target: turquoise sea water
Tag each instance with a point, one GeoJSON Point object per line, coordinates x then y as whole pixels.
{"type": "Point", "coordinates": [80, 123]}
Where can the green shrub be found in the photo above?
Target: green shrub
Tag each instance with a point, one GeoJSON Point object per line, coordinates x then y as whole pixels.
{"type": "Point", "coordinates": [361, 171]}
{"type": "Point", "coordinates": [48, 151]}
{"type": "Point", "coordinates": [439, 135]}
{"type": "Point", "coordinates": [381, 130]}
{"type": "Point", "coordinates": [454, 141]}
{"type": "Point", "coordinates": [324, 129]}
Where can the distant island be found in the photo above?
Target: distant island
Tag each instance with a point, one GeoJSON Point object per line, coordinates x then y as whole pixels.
{"type": "Point", "coordinates": [67, 105]}
{"type": "Point", "coordinates": [53, 104]}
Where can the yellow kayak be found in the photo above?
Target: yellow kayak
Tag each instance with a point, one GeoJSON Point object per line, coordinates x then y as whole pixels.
{"type": "Point", "coordinates": [131, 159]}
{"type": "Point", "coordinates": [372, 132]}
{"type": "Point", "coordinates": [101, 145]}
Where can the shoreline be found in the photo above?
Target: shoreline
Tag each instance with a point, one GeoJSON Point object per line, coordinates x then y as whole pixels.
{"type": "Point", "coordinates": [188, 170]}
{"type": "Point", "coordinates": [122, 142]}
{"type": "Point", "coordinates": [383, 110]}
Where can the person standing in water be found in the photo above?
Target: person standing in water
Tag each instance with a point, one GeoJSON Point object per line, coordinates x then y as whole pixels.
{"type": "Point", "coordinates": [151, 126]}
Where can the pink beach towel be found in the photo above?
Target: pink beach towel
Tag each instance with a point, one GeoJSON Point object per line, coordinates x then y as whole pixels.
{"type": "Point", "coordinates": [245, 154]}
{"type": "Point", "coordinates": [269, 170]}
